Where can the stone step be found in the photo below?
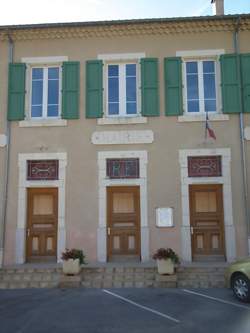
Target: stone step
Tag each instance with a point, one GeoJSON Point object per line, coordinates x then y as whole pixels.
{"type": "Point", "coordinates": [112, 277]}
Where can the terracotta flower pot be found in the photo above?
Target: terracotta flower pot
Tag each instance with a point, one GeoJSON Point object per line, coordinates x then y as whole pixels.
{"type": "Point", "coordinates": [165, 266]}
{"type": "Point", "coordinates": [71, 267]}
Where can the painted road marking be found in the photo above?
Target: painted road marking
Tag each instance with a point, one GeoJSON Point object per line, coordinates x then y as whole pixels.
{"type": "Point", "coordinates": [142, 306]}
{"type": "Point", "coordinates": [216, 299]}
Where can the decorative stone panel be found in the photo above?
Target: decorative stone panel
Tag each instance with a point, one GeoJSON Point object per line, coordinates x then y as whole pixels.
{"type": "Point", "coordinates": [122, 137]}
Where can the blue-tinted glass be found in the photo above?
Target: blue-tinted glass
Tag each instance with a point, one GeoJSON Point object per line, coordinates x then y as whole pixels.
{"type": "Point", "coordinates": [209, 86]}
{"type": "Point", "coordinates": [193, 106]}
{"type": "Point", "coordinates": [37, 73]}
{"type": "Point", "coordinates": [37, 92]}
{"type": "Point", "coordinates": [210, 105]}
{"type": "Point", "coordinates": [131, 89]}
{"type": "Point", "coordinates": [52, 110]}
{"type": "Point", "coordinates": [208, 66]}
{"type": "Point", "coordinates": [131, 108]}
{"type": "Point", "coordinates": [113, 90]}
{"type": "Point", "coordinates": [192, 87]}
{"type": "Point", "coordinates": [36, 111]}
{"type": "Point", "coordinates": [113, 70]}
{"type": "Point", "coordinates": [53, 73]}
{"type": "Point", "coordinates": [192, 67]}
{"type": "Point", "coordinates": [131, 70]}
{"type": "Point", "coordinates": [113, 108]}
{"type": "Point", "coordinates": [53, 91]}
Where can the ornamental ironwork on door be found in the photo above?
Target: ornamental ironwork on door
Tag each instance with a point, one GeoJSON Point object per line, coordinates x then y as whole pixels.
{"type": "Point", "coordinates": [42, 169]}
{"type": "Point", "coordinates": [204, 166]}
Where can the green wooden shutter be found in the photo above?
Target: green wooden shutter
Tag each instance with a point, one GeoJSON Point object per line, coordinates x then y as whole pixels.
{"type": "Point", "coordinates": [173, 86]}
{"type": "Point", "coordinates": [245, 73]}
{"type": "Point", "coordinates": [94, 89]}
{"type": "Point", "coordinates": [70, 89]}
{"type": "Point", "coordinates": [149, 87]}
{"type": "Point", "coordinates": [230, 79]}
{"type": "Point", "coordinates": [16, 91]}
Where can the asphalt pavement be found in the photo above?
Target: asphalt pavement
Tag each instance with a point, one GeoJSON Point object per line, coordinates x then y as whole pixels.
{"type": "Point", "coordinates": [122, 311]}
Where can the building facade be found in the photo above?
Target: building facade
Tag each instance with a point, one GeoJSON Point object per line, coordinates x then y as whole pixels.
{"type": "Point", "coordinates": [109, 150]}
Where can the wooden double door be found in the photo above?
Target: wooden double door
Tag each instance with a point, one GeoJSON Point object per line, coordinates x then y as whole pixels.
{"type": "Point", "coordinates": [123, 223]}
{"type": "Point", "coordinates": [207, 222]}
{"type": "Point", "coordinates": [42, 221]}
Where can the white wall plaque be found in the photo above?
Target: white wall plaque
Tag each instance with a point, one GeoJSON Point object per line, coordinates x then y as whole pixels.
{"type": "Point", "coordinates": [122, 137]}
{"type": "Point", "coordinates": [164, 217]}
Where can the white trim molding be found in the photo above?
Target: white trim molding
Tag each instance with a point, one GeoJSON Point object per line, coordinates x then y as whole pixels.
{"type": "Point", "coordinates": [200, 53]}
{"type": "Point", "coordinates": [104, 182]}
{"type": "Point", "coordinates": [44, 60]}
{"type": "Point", "coordinates": [202, 117]}
{"type": "Point", "coordinates": [3, 140]}
{"type": "Point", "coordinates": [22, 200]}
{"type": "Point", "coordinates": [225, 180]}
{"type": "Point", "coordinates": [247, 133]}
{"type": "Point", "coordinates": [43, 123]}
{"type": "Point", "coordinates": [122, 137]}
{"type": "Point", "coordinates": [122, 120]}
{"type": "Point", "coordinates": [121, 56]}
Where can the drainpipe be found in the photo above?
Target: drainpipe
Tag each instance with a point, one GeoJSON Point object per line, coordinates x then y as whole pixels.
{"type": "Point", "coordinates": [242, 139]}
{"type": "Point", "coordinates": [7, 161]}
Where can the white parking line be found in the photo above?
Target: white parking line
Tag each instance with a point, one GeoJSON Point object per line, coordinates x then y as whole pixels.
{"type": "Point", "coordinates": [217, 299]}
{"type": "Point", "coordinates": [141, 306]}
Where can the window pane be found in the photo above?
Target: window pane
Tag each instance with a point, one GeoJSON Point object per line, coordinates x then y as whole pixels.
{"type": "Point", "coordinates": [37, 92]}
{"type": "Point", "coordinates": [131, 89]}
{"type": "Point", "coordinates": [36, 111]}
{"type": "Point", "coordinates": [113, 108]}
{"type": "Point", "coordinates": [209, 86]}
{"type": "Point", "coordinates": [131, 70]}
{"type": "Point", "coordinates": [53, 73]}
{"type": "Point", "coordinates": [53, 91]}
{"type": "Point", "coordinates": [52, 110]}
{"type": "Point", "coordinates": [192, 87]}
{"type": "Point", "coordinates": [208, 66]}
{"type": "Point", "coordinates": [37, 74]}
{"type": "Point", "coordinates": [113, 70]}
{"type": "Point", "coordinates": [210, 105]}
{"type": "Point", "coordinates": [131, 108]}
{"type": "Point", "coordinates": [192, 67]}
{"type": "Point", "coordinates": [113, 90]}
{"type": "Point", "coordinates": [193, 106]}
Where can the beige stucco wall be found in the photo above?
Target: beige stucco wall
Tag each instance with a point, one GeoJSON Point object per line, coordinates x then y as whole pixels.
{"type": "Point", "coordinates": [164, 183]}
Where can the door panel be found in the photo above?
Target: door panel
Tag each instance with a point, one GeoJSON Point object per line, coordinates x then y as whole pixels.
{"type": "Point", "coordinates": [42, 219]}
{"type": "Point", "coordinates": [207, 222]}
{"type": "Point", "coordinates": [123, 221]}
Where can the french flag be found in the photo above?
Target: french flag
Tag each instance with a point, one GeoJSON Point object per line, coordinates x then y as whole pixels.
{"type": "Point", "coordinates": [209, 130]}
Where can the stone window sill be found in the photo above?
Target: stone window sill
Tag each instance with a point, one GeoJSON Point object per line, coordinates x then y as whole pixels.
{"type": "Point", "coordinates": [122, 120]}
{"type": "Point", "coordinates": [202, 117]}
{"type": "Point", "coordinates": [43, 123]}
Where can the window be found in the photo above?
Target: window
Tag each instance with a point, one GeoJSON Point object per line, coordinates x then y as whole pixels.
{"type": "Point", "coordinates": [45, 92]}
{"type": "Point", "coordinates": [200, 86]}
{"type": "Point", "coordinates": [122, 89]}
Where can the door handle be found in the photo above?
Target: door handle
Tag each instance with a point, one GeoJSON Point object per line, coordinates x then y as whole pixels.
{"type": "Point", "coordinates": [28, 232]}
{"type": "Point", "coordinates": [192, 230]}
{"type": "Point", "coordinates": [108, 231]}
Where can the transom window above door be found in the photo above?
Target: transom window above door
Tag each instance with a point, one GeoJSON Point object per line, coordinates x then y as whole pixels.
{"type": "Point", "coordinates": [122, 89]}
{"type": "Point", "coordinates": [200, 86]}
{"type": "Point", "coordinates": [45, 92]}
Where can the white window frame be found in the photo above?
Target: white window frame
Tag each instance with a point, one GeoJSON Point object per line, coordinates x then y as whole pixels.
{"type": "Point", "coordinates": [122, 89]}
{"type": "Point", "coordinates": [121, 58]}
{"type": "Point", "coordinates": [199, 61]}
{"type": "Point", "coordinates": [45, 92]}
{"type": "Point", "coordinates": [53, 61]}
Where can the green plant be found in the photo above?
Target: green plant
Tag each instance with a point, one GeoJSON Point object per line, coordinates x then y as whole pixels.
{"type": "Point", "coordinates": [168, 253]}
{"type": "Point", "coordinates": [74, 254]}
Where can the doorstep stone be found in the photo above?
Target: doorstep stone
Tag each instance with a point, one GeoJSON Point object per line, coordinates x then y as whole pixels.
{"type": "Point", "coordinates": [67, 281]}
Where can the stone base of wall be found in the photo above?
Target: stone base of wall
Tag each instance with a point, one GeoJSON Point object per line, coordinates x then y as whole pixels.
{"type": "Point", "coordinates": [112, 277]}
